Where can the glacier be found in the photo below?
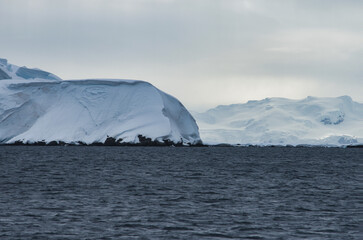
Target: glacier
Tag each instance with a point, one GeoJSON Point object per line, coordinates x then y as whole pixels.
{"type": "Point", "coordinates": [280, 121]}
{"type": "Point", "coordinates": [38, 106]}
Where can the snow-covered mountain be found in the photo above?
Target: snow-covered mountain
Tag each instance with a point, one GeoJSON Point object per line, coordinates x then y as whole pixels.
{"type": "Point", "coordinates": [10, 71]}
{"type": "Point", "coordinates": [37, 106]}
{"type": "Point", "coordinates": [280, 121]}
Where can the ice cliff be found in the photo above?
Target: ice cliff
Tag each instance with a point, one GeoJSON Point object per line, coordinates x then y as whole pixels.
{"type": "Point", "coordinates": [37, 106]}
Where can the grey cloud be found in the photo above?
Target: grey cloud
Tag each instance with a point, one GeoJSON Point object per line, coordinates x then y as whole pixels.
{"type": "Point", "coordinates": [184, 43]}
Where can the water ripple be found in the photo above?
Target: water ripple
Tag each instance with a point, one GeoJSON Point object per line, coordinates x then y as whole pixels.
{"type": "Point", "coordinates": [179, 193]}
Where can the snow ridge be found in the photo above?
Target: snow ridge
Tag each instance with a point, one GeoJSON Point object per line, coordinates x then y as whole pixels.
{"type": "Point", "coordinates": [10, 71]}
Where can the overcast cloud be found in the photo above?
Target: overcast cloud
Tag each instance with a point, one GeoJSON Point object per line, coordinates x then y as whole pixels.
{"type": "Point", "coordinates": [204, 52]}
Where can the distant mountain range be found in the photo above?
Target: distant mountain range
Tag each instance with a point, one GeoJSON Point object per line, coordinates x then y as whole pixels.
{"type": "Point", "coordinates": [280, 121]}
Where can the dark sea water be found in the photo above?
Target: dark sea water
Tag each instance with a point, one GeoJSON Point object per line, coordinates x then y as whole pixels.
{"type": "Point", "coordinates": [180, 193]}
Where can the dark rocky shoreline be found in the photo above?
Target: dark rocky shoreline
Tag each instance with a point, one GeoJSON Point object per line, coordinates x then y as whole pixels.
{"type": "Point", "coordinates": [110, 141]}
{"type": "Point", "coordinates": [148, 142]}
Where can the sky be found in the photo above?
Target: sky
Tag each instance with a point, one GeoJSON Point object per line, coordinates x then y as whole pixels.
{"type": "Point", "coordinates": [203, 52]}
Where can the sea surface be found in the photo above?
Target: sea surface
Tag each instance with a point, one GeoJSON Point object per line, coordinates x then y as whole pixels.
{"type": "Point", "coordinates": [66, 192]}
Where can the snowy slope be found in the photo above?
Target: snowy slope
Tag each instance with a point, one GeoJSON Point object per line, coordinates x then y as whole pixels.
{"type": "Point", "coordinates": [88, 111]}
{"type": "Point", "coordinates": [279, 121]}
{"type": "Point", "coordinates": [10, 71]}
